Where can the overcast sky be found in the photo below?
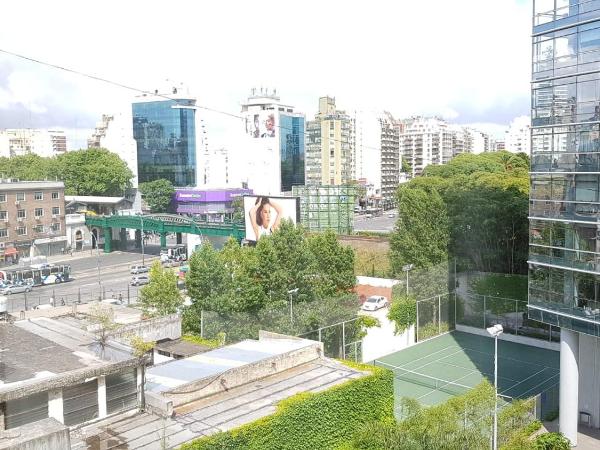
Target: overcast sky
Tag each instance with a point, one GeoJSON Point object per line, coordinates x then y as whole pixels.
{"type": "Point", "coordinates": [466, 60]}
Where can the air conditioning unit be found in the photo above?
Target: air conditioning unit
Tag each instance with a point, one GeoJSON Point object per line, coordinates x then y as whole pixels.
{"type": "Point", "coordinates": [17, 203]}
{"type": "Point", "coordinates": [1, 244]}
{"type": "Point", "coordinates": [20, 219]}
{"type": "Point", "coordinates": [38, 217]}
{"type": "Point", "coordinates": [54, 216]}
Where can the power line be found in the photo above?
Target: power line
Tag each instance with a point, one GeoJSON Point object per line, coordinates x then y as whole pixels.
{"type": "Point", "coordinates": [156, 94]}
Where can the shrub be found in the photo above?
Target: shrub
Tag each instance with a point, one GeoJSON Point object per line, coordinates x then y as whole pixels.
{"type": "Point", "coordinates": [403, 312]}
{"type": "Point", "coordinates": [552, 441]}
{"type": "Point", "coordinates": [307, 421]}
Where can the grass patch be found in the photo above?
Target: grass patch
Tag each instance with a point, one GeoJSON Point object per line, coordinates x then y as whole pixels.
{"type": "Point", "coordinates": [501, 285]}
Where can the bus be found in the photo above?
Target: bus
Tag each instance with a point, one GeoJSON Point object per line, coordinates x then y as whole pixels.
{"type": "Point", "coordinates": [36, 273]}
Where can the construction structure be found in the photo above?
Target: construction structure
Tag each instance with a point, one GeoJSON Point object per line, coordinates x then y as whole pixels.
{"type": "Point", "coordinates": [327, 207]}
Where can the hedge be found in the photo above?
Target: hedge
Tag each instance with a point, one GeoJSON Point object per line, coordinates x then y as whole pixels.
{"type": "Point", "coordinates": [311, 421]}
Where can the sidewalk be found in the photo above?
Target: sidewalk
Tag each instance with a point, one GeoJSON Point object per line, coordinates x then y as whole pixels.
{"type": "Point", "coordinates": [67, 258]}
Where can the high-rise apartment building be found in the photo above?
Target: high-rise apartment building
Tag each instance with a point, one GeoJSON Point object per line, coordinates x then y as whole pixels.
{"type": "Point", "coordinates": [114, 133]}
{"type": "Point", "coordinates": [272, 160]}
{"type": "Point", "coordinates": [329, 146]}
{"type": "Point", "coordinates": [425, 141]}
{"type": "Point", "coordinates": [46, 143]}
{"type": "Point", "coordinates": [165, 132]}
{"type": "Point", "coordinates": [518, 135]}
{"type": "Point", "coordinates": [564, 251]}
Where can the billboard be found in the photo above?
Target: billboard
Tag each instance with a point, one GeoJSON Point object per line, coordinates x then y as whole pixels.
{"type": "Point", "coordinates": [263, 214]}
{"type": "Point", "coordinates": [261, 124]}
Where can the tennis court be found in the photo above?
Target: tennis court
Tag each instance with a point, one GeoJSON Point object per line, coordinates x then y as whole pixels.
{"type": "Point", "coordinates": [440, 368]}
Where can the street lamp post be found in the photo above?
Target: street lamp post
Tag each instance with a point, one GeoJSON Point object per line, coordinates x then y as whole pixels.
{"type": "Point", "coordinates": [290, 293]}
{"type": "Point", "coordinates": [97, 258]}
{"type": "Point", "coordinates": [407, 268]}
{"type": "Point", "coordinates": [495, 331]}
{"type": "Point", "coordinates": [142, 235]}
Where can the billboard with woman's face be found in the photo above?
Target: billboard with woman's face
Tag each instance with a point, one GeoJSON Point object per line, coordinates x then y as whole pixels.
{"type": "Point", "coordinates": [261, 125]}
{"type": "Point", "coordinates": [263, 214]}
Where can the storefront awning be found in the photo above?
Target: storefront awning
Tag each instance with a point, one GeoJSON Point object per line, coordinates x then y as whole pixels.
{"type": "Point", "coordinates": [10, 251]}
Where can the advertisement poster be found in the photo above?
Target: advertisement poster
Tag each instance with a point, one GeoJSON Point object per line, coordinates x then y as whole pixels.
{"type": "Point", "coordinates": [263, 214]}
{"type": "Point", "coordinates": [261, 125]}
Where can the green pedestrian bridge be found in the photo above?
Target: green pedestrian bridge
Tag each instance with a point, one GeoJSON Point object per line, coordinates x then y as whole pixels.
{"type": "Point", "coordinates": [161, 224]}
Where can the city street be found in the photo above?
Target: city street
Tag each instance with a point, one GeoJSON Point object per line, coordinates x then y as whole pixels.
{"type": "Point", "coordinates": [86, 285]}
{"type": "Point", "coordinates": [378, 224]}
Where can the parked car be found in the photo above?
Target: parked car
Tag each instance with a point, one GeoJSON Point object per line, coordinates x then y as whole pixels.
{"type": "Point", "coordinates": [139, 269]}
{"type": "Point", "coordinates": [139, 280]}
{"type": "Point", "coordinates": [15, 288]}
{"type": "Point", "coordinates": [112, 301]}
{"type": "Point", "coordinates": [44, 306]}
{"type": "Point", "coordinates": [374, 302]}
{"type": "Point", "coordinates": [391, 215]}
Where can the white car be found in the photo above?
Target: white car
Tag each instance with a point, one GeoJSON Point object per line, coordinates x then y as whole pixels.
{"type": "Point", "coordinates": [139, 269]}
{"type": "Point", "coordinates": [43, 306]}
{"type": "Point", "coordinates": [15, 289]}
{"type": "Point", "coordinates": [138, 280]}
{"type": "Point", "coordinates": [374, 302]}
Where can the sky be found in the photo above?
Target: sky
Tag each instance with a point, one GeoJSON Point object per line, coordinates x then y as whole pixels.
{"type": "Point", "coordinates": [465, 60]}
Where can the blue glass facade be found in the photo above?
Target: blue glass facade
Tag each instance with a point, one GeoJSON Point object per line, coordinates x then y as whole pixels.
{"type": "Point", "coordinates": [291, 132]}
{"type": "Point", "coordinates": [564, 235]}
{"type": "Point", "coordinates": [166, 141]}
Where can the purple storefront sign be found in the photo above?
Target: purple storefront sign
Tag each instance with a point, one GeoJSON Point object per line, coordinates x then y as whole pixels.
{"type": "Point", "coordinates": [189, 201]}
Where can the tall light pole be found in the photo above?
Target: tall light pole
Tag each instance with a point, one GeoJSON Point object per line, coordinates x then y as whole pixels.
{"type": "Point", "coordinates": [292, 292]}
{"type": "Point", "coordinates": [407, 268]}
{"type": "Point", "coordinates": [97, 257]}
{"type": "Point", "coordinates": [495, 331]}
{"type": "Point", "coordinates": [142, 239]}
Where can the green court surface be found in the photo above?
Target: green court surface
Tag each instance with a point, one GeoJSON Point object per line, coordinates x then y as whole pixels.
{"type": "Point", "coordinates": [435, 370]}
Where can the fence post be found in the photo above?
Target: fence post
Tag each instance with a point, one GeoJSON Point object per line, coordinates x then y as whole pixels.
{"type": "Point", "coordinates": [484, 313]}
{"type": "Point", "coordinates": [455, 316]}
{"type": "Point", "coordinates": [355, 351]}
{"type": "Point", "coordinates": [320, 334]}
{"type": "Point", "coordinates": [439, 314]}
{"type": "Point", "coordinates": [417, 324]}
{"type": "Point", "coordinates": [201, 323]}
{"type": "Point", "coordinates": [78, 295]}
{"type": "Point", "coordinates": [128, 295]}
{"type": "Point", "coordinates": [343, 340]}
{"type": "Point", "coordinates": [517, 317]}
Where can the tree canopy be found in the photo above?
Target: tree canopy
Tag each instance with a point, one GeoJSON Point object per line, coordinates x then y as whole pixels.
{"type": "Point", "coordinates": [242, 279]}
{"type": "Point", "coordinates": [158, 194]}
{"type": "Point", "coordinates": [161, 297]}
{"type": "Point", "coordinates": [94, 171]}
{"type": "Point", "coordinates": [473, 208]}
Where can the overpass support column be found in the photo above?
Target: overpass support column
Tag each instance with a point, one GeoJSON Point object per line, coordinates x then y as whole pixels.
{"type": "Point", "coordinates": [107, 240]}
{"type": "Point", "coordinates": [163, 240]}
{"type": "Point", "coordinates": [179, 239]}
{"type": "Point", "coordinates": [138, 238]}
{"type": "Point", "coordinates": [123, 239]}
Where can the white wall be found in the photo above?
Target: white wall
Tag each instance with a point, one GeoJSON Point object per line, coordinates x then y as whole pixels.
{"type": "Point", "coordinates": [589, 377]}
{"type": "Point", "coordinates": [381, 341]}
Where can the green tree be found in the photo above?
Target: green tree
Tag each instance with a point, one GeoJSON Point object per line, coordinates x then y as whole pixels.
{"type": "Point", "coordinates": [161, 297]}
{"type": "Point", "coordinates": [158, 194]}
{"type": "Point", "coordinates": [421, 235]}
{"type": "Point", "coordinates": [27, 167]}
{"type": "Point", "coordinates": [333, 264]}
{"type": "Point", "coordinates": [94, 171]}
{"type": "Point", "coordinates": [207, 279]}
{"type": "Point", "coordinates": [238, 209]}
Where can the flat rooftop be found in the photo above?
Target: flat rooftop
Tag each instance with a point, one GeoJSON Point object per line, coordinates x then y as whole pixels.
{"type": "Point", "coordinates": [165, 377]}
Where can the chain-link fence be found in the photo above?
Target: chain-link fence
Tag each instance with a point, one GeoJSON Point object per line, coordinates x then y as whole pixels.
{"type": "Point", "coordinates": [482, 311]}
{"type": "Point", "coordinates": [334, 322]}
{"type": "Point", "coordinates": [57, 297]}
{"type": "Point", "coordinates": [435, 316]}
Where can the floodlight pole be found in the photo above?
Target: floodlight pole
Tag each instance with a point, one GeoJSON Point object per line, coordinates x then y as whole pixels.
{"type": "Point", "coordinates": [496, 392]}
{"type": "Point", "coordinates": [290, 293]}
{"type": "Point", "coordinates": [407, 268]}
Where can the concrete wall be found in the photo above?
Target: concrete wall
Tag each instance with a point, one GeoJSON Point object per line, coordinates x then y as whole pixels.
{"type": "Point", "coordinates": [589, 377]}
{"type": "Point", "coordinates": [381, 341]}
{"type": "Point", "coordinates": [47, 434]}
{"type": "Point", "coordinates": [238, 376]}
{"type": "Point", "coordinates": [168, 327]}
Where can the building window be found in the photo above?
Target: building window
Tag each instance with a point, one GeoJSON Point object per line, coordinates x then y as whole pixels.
{"type": "Point", "coordinates": [4, 215]}
{"type": "Point", "coordinates": [21, 214]}
{"type": "Point", "coordinates": [3, 232]}
{"type": "Point", "coordinates": [55, 210]}
{"type": "Point", "coordinates": [55, 226]}
{"type": "Point", "coordinates": [22, 231]}
{"type": "Point", "coordinates": [20, 196]}
{"type": "Point", "coordinates": [55, 196]}
{"type": "Point", "coordinates": [38, 195]}
{"type": "Point", "coordinates": [39, 212]}
{"type": "Point", "coordinates": [2, 198]}
{"type": "Point", "coordinates": [38, 229]}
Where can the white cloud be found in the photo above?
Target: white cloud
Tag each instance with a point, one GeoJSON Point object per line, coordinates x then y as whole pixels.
{"type": "Point", "coordinates": [464, 59]}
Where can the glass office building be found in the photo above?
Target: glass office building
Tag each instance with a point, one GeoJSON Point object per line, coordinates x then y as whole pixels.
{"type": "Point", "coordinates": [165, 133]}
{"type": "Point", "coordinates": [291, 134]}
{"type": "Point", "coordinates": [564, 237]}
